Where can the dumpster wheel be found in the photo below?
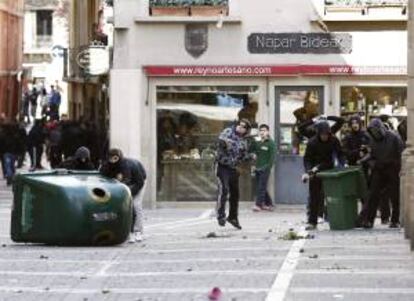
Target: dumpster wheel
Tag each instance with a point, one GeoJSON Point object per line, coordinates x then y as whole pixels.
{"type": "Point", "coordinates": [105, 237]}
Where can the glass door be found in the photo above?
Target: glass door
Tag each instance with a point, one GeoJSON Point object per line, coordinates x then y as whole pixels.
{"type": "Point", "coordinates": [294, 105]}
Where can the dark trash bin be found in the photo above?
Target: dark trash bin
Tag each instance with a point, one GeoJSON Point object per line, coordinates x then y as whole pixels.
{"type": "Point", "coordinates": [70, 208]}
{"type": "Point", "coordinates": [343, 188]}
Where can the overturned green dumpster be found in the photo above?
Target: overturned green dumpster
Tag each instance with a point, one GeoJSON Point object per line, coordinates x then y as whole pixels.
{"type": "Point", "coordinates": [343, 188]}
{"type": "Point", "coordinates": [70, 208]}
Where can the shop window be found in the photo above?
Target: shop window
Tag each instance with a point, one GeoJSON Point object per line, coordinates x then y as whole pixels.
{"type": "Point", "coordinates": [297, 105]}
{"type": "Point", "coordinates": [387, 103]}
{"type": "Point", "coordinates": [189, 120]}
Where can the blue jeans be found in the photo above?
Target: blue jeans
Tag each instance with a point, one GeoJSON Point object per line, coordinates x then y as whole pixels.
{"type": "Point", "coordinates": [262, 196]}
{"type": "Point", "coordinates": [9, 161]}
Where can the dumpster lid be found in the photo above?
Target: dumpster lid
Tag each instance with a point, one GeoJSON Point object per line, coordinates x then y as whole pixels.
{"type": "Point", "coordinates": [68, 178]}
{"type": "Point", "coordinates": [338, 172]}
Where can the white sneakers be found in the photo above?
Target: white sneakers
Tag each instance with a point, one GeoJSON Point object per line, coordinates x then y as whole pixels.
{"type": "Point", "coordinates": [135, 237]}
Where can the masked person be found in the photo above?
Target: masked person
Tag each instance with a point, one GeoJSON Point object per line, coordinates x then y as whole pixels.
{"type": "Point", "coordinates": [80, 161]}
{"type": "Point", "coordinates": [132, 173]}
{"type": "Point", "coordinates": [321, 153]}
{"type": "Point", "coordinates": [385, 158]}
{"type": "Point", "coordinates": [232, 150]}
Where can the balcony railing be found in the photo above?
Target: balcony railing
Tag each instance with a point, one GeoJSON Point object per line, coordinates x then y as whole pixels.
{"type": "Point", "coordinates": [364, 3]}
{"type": "Point", "coordinates": [188, 7]}
{"type": "Point", "coordinates": [390, 8]}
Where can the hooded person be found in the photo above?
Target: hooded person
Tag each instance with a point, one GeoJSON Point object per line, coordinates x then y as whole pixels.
{"type": "Point", "coordinates": [80, 161]}
{"type": "Point", "coordinates": [323, 152]}
{"type": "Point", "coordinates": [384, 157]}
{"type": "Point", "coordinates": [355, 143]}
{"type": "Point", "coordinates": [132, 173]}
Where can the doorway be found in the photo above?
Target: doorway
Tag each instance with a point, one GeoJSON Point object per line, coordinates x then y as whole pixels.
{"type": "Point", "coordinates": [294, 105]}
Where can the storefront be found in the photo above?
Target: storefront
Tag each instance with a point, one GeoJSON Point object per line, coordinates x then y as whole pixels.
{"type": "Point", "coordinates": [178, 81]}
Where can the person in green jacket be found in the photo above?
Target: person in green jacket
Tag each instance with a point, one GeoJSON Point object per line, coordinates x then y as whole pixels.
{"type": "Point", "coordinates": [264, 149]}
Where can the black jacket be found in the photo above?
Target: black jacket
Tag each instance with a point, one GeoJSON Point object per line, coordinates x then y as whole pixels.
{"type": "Point", "coordinates": [308, 129]}
{"type": "Point", "coordinates": [128, 171]}
{"type": "Point", "coordinates": [322, 154]}
{"type": "Point", "coordinates": [386, 148]}
{"type": "Point", "coordinates": [353, 143]}
{"type": "Point", "coordinates": [76, 164]}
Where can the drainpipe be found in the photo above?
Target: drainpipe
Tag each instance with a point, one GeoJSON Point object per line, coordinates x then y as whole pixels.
{"type": "Point", "coordinates": [407, 179]}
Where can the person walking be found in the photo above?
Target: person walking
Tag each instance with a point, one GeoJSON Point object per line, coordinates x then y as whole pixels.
{"type": "Point", "coordinates": [321, 153]}
{"type": "Point", "coordinates": [33, 102]}
{"type": "Point", "coordinates": [385, 149]}
{"type": "Point", "coordinates": [10, 150]}
{"type": "Point", "coordinates": [232, 150]}
{"type": "Point", "coordinates": [35, 142]}
{"type": "Point", "coordinates": [132, 173]}
{"type": "Point", "coordinates": [54, 103]}
{"type": "Point", "coordinates": [264, 149]}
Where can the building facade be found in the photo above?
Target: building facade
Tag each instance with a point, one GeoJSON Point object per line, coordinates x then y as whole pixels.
{"type": "Point", "coordinates": [181, 75]}
{"type": "Point", "coordinates": [11, 55]}
{"type": "Point", "coordinates": [46, 36]}
{"type": "Point", "coordinates": [87, 94]}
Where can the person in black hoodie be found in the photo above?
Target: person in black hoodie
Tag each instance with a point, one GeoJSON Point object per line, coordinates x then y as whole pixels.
{"type": "Point", "coordinates": [132, 173]}
{"type": "Point", "coordinates": [356, 142]}
{"type": "Point", "coordinates": [385, 158]}
{"type": "Point", "coordinates": [308, 128]}
{"type": "Point", "coordinates": [321, 153]}
{"type": "Point", "coordinates": [81, 160]}
{"type": "Point", "coordinates": [35, 142]}
{"type": "Point", "coordinates": [11, 132]}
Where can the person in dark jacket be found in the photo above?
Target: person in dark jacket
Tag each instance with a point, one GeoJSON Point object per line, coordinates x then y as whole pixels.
{"type": "Point", "coordinates": [321, 153]}
{"type": "Point", "coordinates": [356, 142]}
{"type": "Point", "coordinates": [21, 144]}
{"type": "Point", "coordinates": [232, 150]}
{"type": "Point", "coordinates": [10, 149]}
{"type": "Point", "coordinates": [308, 128]}
{"type": "Point", "coordinates": [385, 158]}
{"type": "Point", "coordinates": [35, 142]}
{"type": "Point", "coordinates": [132, 173]}
{"type": "Point", "coordinates": [80, 161]}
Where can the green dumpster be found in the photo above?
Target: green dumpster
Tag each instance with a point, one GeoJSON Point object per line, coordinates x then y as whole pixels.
{"type": "Point", "coordinates": [70, 208]}
{"type": "Point", "coordinates": [342, 189]}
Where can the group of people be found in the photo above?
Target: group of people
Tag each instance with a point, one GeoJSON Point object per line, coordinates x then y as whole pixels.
{"type": "Point", "coordinates": [49, 103]}
{"type": "Point", "coordinates": [58, 139]}
{"type": "Point", "coordinates": [377, 150]}
{"type": "Point", "coordinates": [126, 170]}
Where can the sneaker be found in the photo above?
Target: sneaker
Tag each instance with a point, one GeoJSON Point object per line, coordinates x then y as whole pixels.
{"type": "Point", "coordinates": [138, 236]}
{"type": "Point", "coordinates": [310, 227]}
{"type": "Point", "coordinates": [256, 208]}
{"type": "Point", "coordinates": [235, 223]}
{"type": "Point", "coordinates": [268, 208]}
{"type": "Point", "coordinates": [367, 225]}
{"type": "Point", "coordinates": [221, 222]}
{"type": "Point", "coordinates": [131, 238]}
{"type": "Point", "coordinates": [394, 225]}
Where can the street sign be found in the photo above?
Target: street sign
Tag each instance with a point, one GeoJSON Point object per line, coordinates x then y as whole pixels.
{"type": "Point", "coordinates": [94, 60]}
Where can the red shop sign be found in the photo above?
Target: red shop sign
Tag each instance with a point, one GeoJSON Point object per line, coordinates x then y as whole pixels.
{"type": "Point", "coordinates": [276, 70]}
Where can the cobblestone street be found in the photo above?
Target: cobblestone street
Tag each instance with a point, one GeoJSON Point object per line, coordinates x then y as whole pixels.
{"type": "Point", "coordinates": [177, 261]}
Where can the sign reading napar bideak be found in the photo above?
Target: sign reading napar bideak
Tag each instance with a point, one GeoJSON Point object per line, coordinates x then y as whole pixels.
{"type": "Point", "coordinates": [323, 43]}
